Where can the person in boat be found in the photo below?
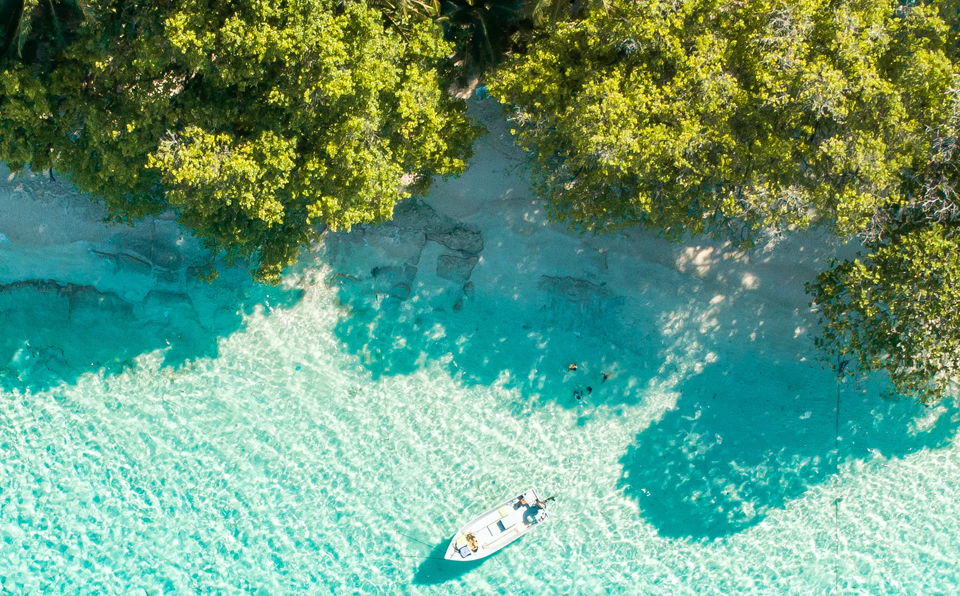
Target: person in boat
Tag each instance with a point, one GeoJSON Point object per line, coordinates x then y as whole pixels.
{"type": "Point", "coordinates": [472, 542]}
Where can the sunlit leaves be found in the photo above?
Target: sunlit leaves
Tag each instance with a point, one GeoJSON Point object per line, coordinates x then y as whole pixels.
{"type": "Point", "coordinates": [728, 117]}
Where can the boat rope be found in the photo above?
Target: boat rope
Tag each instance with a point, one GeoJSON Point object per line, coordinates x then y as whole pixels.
{"type": "Point", "coordinates": [416, 539]}
{"type": "Point", "coordinates": [836, 473]}
{"type": "Point", "coordinates": [421, 557]}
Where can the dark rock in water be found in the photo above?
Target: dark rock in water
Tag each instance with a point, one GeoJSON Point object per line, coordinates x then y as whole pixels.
{"type": "Point", "coordinates": [468, 289]}
{"type": "Point", "coordinates": [458, 305]}
{"type": "Point", "coordinates": [394, 281]}
{"type": "Point", "coordinates": [167, 276]}
{"type": "Point", "coordinates": [462, 237]}
{"type": "Point", "coordinates": [135, 264]}
{"type": "Point", "coordinates": [416, 214]}
{"type": "Point", "coordinates": [405, 272]}
{"type": "Point", "coordinates": [53, 306]}
{"type": "Point", "coordinates": [573, 289]}
{"type": "Point", "coordinates": [454, 268]}
{"type": "Point", "coordinates": [88, 298]}
{"type": "Point", "coordinates": [162, 298]}
{"type": "Point", "coordinates": [137, 245]}
{"type": "Point", "coordinates": [167, 257]}
{"type": "Point", "coordinates": [339, 279]}
{"type": "Point", "coordinates": [568, 297]}
{"type": "Point", "coordinates": [400, 291]}
{"type": "Point", "coordinates": [398, 242]}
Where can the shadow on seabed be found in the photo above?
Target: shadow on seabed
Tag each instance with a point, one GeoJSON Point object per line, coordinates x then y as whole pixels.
{"type": "Point", "coordinates": [436, 570]}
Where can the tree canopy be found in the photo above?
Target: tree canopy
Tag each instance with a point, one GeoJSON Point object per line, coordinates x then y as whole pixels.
{"type": "Point", "coordinates": [701, 115]}
{"type": "Point", "coordinates": [258, 120]}
{"type": "Point", "coordinates": [735, 118]}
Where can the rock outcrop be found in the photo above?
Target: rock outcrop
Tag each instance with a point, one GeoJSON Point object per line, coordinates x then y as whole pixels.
{"type": "Point", "coordinates": [455, 268]}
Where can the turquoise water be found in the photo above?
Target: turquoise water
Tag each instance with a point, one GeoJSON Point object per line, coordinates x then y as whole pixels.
{"type": "Point", "coordinates": [301, 459]}
{"type": "Point", "coordinates": [329, 435]}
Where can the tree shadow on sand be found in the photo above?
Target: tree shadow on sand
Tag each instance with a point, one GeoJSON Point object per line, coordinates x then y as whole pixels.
{"type": "Point", "coordinates": [749, 434]}
{"type": "Point", "coordinates": [53, 333]}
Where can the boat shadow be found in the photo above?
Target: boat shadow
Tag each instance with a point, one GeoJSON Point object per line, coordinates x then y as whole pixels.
{"type": "Point", "coordinates": [436, 570]}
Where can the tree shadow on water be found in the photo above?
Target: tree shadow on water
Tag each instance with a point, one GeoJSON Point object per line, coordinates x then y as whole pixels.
{"type": "Point", "coordinates": [53, 333]}
{"type": "Point", "coordinates": [749, 435]}
{"type": "Point", "coordinates": [526, 346]}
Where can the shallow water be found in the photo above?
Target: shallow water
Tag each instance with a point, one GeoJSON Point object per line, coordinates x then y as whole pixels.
{"type": "Point", "coordinates": [328, 436]}
{"type": "Point", "coordinates": [286, 464]}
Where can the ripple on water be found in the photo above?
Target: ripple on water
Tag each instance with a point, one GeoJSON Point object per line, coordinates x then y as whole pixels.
{"type": "Point", "coordinates": [286, 466]}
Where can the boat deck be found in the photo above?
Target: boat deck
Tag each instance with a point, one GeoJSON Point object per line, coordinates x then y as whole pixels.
{"type": "Point", "coordinates": [496, 528]}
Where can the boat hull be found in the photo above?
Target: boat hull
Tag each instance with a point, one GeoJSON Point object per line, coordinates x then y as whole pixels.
{"type": "Point", "coordinates": [495, 528]}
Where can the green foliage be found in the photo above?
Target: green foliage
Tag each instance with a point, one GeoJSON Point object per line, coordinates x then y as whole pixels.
{"type": "Point", "coordinates": [729, 117]}
{"type": "Point", "coordinates": [546, 13]}
{"type": "Point", "coordinates": [483, 31]}
{"type": "Point", "coordinates": [898, 309]}
{"type": "Point", "coordinates": [34, 28]}
{"type": "Point", "coordinates": [259, 121]}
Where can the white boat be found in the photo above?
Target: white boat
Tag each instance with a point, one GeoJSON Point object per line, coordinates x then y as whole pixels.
{"type": "Point", "coordinates": [494, 529]}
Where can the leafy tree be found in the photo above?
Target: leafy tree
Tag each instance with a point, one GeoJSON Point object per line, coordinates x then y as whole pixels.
{"type": "Point", "coordinates": [729, 117]}
{"type": "Point", "coordinates": [897, 307]}
{"type": "Point", "coordinates": [33, 32]}
{"type": "Point", "coordinates": [31, 27]}
{"type": "Point", "coordinates": [735, 118]}
{"type": "Point", "coordinates": [546, 13]}
{"type": "Point", "coordinates": [258, 120]}
{"type": "Point", "coordinates": [483, 31]}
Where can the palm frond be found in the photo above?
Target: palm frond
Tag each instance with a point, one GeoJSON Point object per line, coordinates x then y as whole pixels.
{"type": "Point", "coordinates": [34, 27]}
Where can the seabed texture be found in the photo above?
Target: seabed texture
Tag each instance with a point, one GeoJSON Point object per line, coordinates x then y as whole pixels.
{"type": "Point", "coordinates": [162, 435]}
